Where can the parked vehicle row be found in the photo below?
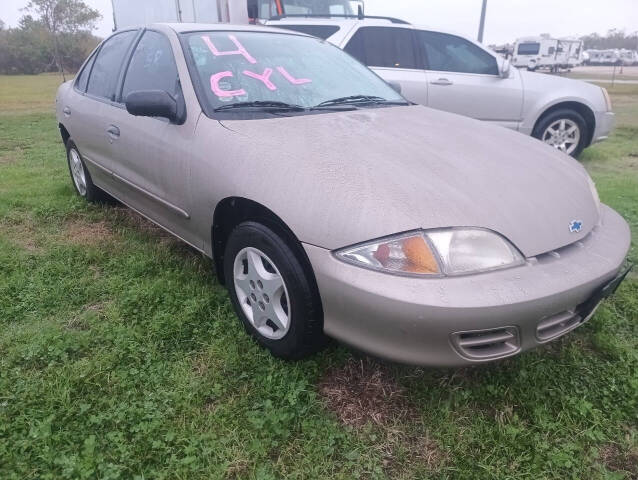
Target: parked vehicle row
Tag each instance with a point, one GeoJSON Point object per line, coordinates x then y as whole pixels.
{"type": "Point", "coordinates": [448, 72]}
{"type": "Point", "coordinates": [333, 207]}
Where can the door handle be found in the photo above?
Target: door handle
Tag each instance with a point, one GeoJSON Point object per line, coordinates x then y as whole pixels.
{"type": "Point", "coordinates": [442, 81]}
{"type": "Point", "coordinates": [113, 132]}
{"type": "Point", "coordinates": [66, 111]}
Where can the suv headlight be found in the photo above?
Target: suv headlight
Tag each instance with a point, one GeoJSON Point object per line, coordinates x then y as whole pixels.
{"type": "Point", "coordinates": [607, 99]}
{"type": "Point", "coordinates": [449, 251]}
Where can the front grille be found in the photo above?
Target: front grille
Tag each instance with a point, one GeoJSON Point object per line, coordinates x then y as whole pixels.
{"type": "Point", "coordinates": [557, 325]}
{"type": "Point", "coordinates": [487, 344]}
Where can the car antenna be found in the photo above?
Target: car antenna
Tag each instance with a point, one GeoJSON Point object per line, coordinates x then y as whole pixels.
{"type": "Point", "coordinates": [360, 15]}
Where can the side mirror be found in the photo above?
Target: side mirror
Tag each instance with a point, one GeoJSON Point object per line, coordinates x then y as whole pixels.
{"type": "Point", "coordinates": [152, 103]}
{"type": "Point", "coordinates": [396, 86]}
{"type": "Point", "coordinates": [504, 71]}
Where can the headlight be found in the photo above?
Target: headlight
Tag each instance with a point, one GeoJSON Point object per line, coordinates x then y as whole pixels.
{"type": "Point", "coordinates": [450, 251]}
{"type": "Point", "coordinates": [607, 98]}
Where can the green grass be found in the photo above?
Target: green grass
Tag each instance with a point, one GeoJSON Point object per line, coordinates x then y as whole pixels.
{"type": "Point", "coordinates": [120, 357]}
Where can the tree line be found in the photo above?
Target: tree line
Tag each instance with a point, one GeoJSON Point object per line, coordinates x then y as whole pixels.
{"type": "Point", "coordinates": [613, 39]}
{"type": "Point", "coordinates": [52, 35]}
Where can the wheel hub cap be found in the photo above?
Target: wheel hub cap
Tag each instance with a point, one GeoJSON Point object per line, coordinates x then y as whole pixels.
{"type": "Point", "coordinates": [77, 171]}
{"type": "Point", "coordinates": [262, 293]}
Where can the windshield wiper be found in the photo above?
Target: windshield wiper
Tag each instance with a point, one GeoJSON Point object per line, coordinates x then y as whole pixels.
{"type": "Point", "coordinates": [358, 99]}
{"type": "Point", "coordinates": [262, 105]}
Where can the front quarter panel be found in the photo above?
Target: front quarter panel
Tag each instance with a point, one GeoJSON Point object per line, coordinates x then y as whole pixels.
{"type": "Point", "coordinates": [542, 92]}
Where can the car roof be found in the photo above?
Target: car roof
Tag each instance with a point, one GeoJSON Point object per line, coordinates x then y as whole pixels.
{"type": "Point", "coordinates": [200, 27]}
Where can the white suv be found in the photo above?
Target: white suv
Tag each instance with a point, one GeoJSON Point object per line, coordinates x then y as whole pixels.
{"type": "Point", "coordinates": [449, 72]}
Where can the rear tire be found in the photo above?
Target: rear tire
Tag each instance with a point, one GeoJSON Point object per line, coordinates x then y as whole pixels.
{"type": "Point", "coordinates": [557, 130]}
{"type": "Point", "coordinates": [81, 178]}
{"type": "Point", "coordinates": [274, 297]}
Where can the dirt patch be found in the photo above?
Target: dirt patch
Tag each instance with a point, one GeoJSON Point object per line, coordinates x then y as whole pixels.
{"type": "Point", "coordinates": [363, 391]}
{"type": "Point", "coordinates": [23, 234]}
{"type": "Point", "coordinates": [8, 158]}
{"type": "Point", "coordinates": [239, 468]}
{"type": "Point", "coordinates": [133, 219]}
{"type": "Point", "coordinates": [82, 232]}
{"type": "Point", "coordinates": [82, 321]}
{"type": "Point", "coordinates": [618, 460]}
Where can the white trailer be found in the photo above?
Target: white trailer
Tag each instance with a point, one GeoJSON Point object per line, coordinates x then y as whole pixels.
{"type": "Point", "coordinates": [545, 52]}
{"type": "Point", "coordinates": [628, 57]}
{"type": "Point", "coordinates": [604, 57]}
{"type": "Point", "coordinates": [127, 13]}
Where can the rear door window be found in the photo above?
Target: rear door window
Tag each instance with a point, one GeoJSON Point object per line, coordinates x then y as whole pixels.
{"type": "Point", "coordinates": [83, 77]}
{"type": "Point", "coordinates": [152, 66]}
{"type": "Point", "coordinates": [449, 53]}
{"type": "Point", "coordinates": [107, 66]}
{"type": "Point", "coordinates": [384, 47]}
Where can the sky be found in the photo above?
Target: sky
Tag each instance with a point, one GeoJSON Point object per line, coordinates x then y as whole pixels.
{"type": "Point", "coordinates": [505, 21]}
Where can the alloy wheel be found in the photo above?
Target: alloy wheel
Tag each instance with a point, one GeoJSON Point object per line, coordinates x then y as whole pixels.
{"type": "Point", "coordinates": [563, 134]}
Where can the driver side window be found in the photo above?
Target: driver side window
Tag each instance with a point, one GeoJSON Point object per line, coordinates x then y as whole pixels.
{"type": "Point", "coordinates": [449, 53]}
{"type": "Point", "coordinates": [152, 66]}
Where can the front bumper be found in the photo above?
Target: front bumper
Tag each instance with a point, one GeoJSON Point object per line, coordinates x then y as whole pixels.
{"type": "Point", "coordinates": [474, 318]}
{"type": "Point", "coordinates": [605, 122]}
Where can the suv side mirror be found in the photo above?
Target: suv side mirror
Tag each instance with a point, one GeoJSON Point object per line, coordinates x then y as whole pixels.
{"type": "Point", "coordinates": [504, 70]}
{"type": "Point", "coordinates": [396, 86]}
{"type": "Point", "coordinates": [152, 103]}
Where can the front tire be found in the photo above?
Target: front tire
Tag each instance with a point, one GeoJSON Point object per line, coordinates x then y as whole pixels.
{"type": "Point", "coordinates": [81, 178]}
{"type": "Point", "coordinates": [564, 129]}
{"type": "Point", "coordinates": [273, 295]}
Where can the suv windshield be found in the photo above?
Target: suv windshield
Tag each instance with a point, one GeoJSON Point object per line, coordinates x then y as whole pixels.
{"type": "Point", "coordinates": [272, 8]}
{"type": "Point", "coordinates": [237, 72]}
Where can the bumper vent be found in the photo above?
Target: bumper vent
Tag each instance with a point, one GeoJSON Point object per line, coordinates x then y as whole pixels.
{"type": "Point", "coordinates": [557, 325]}
{"type": "Point", "coordinates": [487, 344]}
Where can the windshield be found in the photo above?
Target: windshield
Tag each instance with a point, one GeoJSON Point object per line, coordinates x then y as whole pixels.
{"type": "Point", "coordinates": [239, 71]}
{"type": "Point", "coordinates": [272, 8]}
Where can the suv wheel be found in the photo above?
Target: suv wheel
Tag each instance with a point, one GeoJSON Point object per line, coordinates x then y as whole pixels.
{"type": "Point", "coordinates": [565, 130]}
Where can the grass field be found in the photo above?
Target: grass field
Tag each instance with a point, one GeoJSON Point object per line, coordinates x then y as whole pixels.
{"type": "Point", "coordinates": [120, 356]}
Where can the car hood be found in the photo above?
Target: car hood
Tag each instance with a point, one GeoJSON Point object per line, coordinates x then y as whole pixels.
{"type": "Point", "coordinates": [342, 178]}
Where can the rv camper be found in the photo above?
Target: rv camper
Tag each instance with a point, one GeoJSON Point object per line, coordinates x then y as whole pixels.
{"type": "Point", "coordinates": [128, 13]}
{"type": "Point", "coordinates": [545, 52]}
{"type": "Point", "coordinates": [603, 57]}
{"type": "Point", "coordinates": [628, 57]}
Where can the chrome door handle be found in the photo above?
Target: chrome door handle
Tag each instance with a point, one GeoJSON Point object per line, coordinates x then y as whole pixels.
{"type": "Point", "coordinates": [66, 111]}
{"type": "Point", "coordinates": [113, 132]}
{"type": "Point", "coordinates": [442, 81]}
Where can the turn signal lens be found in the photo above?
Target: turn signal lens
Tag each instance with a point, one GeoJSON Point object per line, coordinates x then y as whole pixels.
{"type": "Point", "coordinates": [410, 254]}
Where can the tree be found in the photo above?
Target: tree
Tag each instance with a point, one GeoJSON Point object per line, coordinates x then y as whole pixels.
{"type": "Point", "coordinates": [62, 17]}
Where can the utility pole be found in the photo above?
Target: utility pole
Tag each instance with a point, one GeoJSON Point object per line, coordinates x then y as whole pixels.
{"type": "Point", "coordinates": [482, 24]}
